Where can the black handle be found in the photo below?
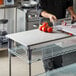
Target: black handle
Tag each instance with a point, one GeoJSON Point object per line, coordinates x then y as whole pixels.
{"type": "Point", "coordinates": [3, 21]}
{"type": "Point", "coordinates": [73, 21]}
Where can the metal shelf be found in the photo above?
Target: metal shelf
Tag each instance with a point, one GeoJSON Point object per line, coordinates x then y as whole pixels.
{"type": "Point", "coordinates": [7, 6]}
{"type": "Point", "coordinates": [69, 70]}
{"type": "Point", "coordinates": [1, 49]}
{"type": "Point", "coordinates": [41, 53]}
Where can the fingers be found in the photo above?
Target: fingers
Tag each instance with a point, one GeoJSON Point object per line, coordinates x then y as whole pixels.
{"type": "Point", "coordinates": [73, 17]}
{"type": "Point", "coordinates": [53, 18]}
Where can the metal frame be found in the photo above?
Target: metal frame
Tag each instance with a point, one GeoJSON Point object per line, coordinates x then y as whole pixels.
{"type": "Point", "coordinates": [9, 55]}
{"type": "Point", "coordinates": [29, 52]}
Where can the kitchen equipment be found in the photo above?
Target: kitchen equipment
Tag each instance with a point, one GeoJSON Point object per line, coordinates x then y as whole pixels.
{"type": "Point", "coordinates": [32, 19]}
{"type": "Point", "coordinates": [3, 32]}
{"type": "Point", "coordinates": [8, 2]}
{"type": "Point", "coordinates": [62, 22]}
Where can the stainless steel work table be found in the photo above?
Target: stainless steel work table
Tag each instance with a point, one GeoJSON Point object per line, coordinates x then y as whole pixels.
{"type": "Point", "coordinates": [38, 40]}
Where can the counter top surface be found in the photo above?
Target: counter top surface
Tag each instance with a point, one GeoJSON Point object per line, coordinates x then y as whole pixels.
{"type": "Point", "coordinates": [32, 37]}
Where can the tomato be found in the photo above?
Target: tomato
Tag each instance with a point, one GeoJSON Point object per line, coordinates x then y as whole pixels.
{"type": "Point", "coordinates": [40, 28]}
{"type": "Point", "coordinates": [44, 29]}
{"type": "Point", "coordinates": [44, 24]}
{"type": "Point", "coordinates": [49, 29]}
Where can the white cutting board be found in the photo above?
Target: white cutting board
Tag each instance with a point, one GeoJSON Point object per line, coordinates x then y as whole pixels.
{"type": "Point", "coordinates": [68, 28]}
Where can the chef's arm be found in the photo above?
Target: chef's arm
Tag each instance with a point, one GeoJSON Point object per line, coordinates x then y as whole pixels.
{"type": "Point", "coordinates": [43, 12]}
{"type": "Point", "coordinates": [48, 15]}
{"type": "Point", "coordinates": [73, 14]}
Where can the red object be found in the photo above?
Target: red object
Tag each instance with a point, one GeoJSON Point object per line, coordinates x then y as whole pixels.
{"type": "Point", "coordinates": [70, 34]}
{"type": "Point", "coordinates": [44, 29]}
{"type": "Point", "coordinates": [65, 23]}
{"type": "Point", "coordinates": [50, 29]}
{"type": "Point", "coordinates": [40, 28]}
{"type": "Point", "coordinates": [44, 24]}
{"type": "Point", "coordinates": [1, 2]}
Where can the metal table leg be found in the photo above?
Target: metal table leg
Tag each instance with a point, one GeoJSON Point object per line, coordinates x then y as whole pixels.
{"type": "Point", "coordinates": [29, 58]}
{"type": "Point", "coordinates": [9, 55]}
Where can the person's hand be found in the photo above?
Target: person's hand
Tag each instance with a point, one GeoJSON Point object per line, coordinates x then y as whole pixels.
{"type": "Point", "coordinates": [73, 16]}
{"type": "Point", "coordinates": [52, 18]}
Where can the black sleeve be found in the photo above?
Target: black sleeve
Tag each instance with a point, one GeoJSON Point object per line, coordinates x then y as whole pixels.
{"type": "Point", "coordinates": [69, 3]}
{"type": "Point", "coordinates": [41, 6]}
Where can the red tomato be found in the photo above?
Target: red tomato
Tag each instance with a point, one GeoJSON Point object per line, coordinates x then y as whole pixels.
{"type": "Point", "coordinates": [40, 28]}
{"type": "Point", "coordinates": [44, 29]}
{"type": "Point", "coordinates": [49, 29]}
{"type": "Point", "coordinates": [44, 24]}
